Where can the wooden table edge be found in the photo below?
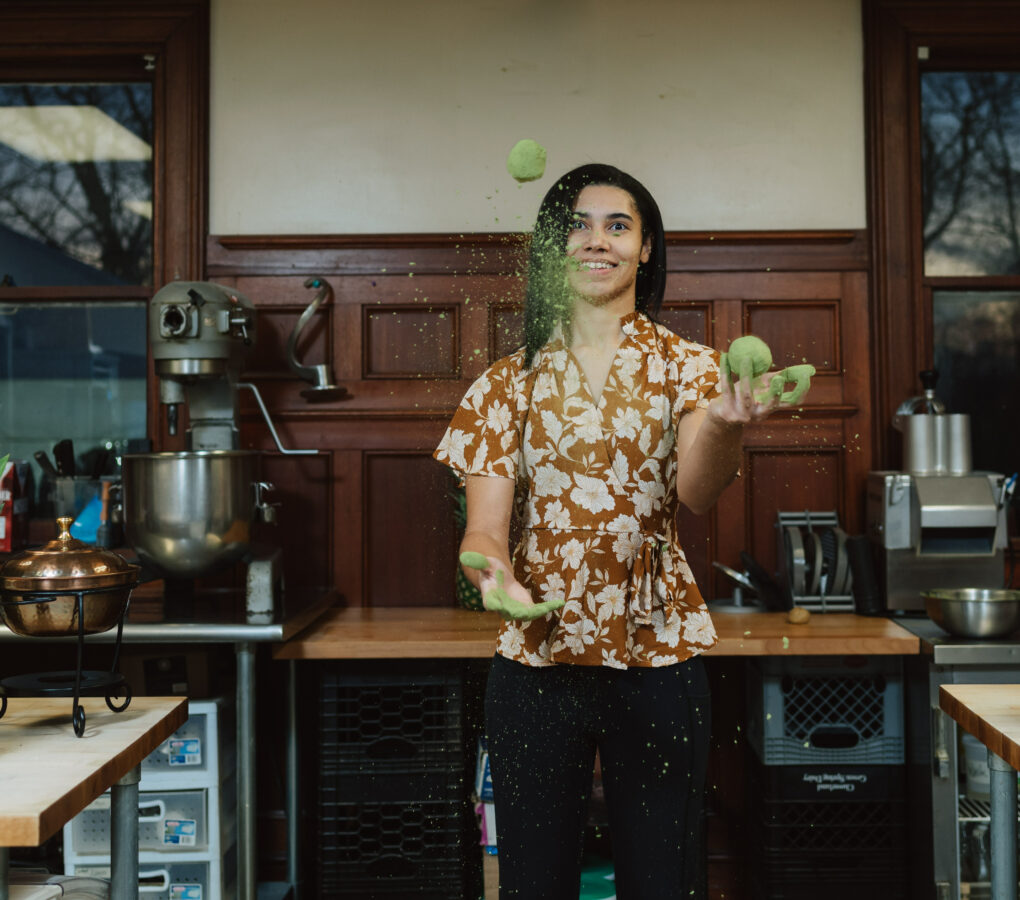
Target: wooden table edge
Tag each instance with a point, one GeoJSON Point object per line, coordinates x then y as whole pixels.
{"type": "Point", "coordinates": [977, 725]}
{"type": "Point", "coordinates": [51, 819]}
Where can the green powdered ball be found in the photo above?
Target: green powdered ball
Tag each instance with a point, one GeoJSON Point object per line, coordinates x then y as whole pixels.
{"type": "Point", "coordinates": [526, 161]}
{"type": "Point", "coordinates": [752, 350]}
{"type": "Point", "coordinates": [474, 560]}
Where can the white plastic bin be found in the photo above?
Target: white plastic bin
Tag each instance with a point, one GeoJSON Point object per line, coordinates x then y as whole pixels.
{"type": "Point", "coordinates": [174, 881]}
{"type": "Point", "coordinates": [168, 821]}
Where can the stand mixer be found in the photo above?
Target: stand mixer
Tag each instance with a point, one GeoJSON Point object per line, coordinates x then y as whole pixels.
{"type": "Point", "coordinates": [189, 514]}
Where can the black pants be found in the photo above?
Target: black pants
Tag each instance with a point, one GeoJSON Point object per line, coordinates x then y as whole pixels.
{"type": "Point", "coordinates": [651, 729]}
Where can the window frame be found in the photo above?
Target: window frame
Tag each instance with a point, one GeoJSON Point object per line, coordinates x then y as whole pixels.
{"type": "Point", "coordinates": [955, 35]}
{"type": "Point", "coordinates": [76, 40]}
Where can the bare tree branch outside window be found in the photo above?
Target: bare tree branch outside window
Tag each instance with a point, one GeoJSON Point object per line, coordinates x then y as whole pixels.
{"type": "Point", "coordinates": [970, 154]}
{"type": "Point", "coordinates": [75, 205]}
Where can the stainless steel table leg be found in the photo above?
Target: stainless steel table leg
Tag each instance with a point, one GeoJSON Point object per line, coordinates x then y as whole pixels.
{"type": "Point", "coordinates": [5, 865]}
{"type": "Point", "coordinates": [246, 875]}
{"type": "Point", "coordinates": [1003, 791]}
{"type": "Point", "coordinates": [124, 836]}
{"type": "Point", "coordinates": [293, 803]}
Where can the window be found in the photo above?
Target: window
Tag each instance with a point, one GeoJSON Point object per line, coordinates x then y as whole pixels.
{"type": "Point", "coordinates": [103, 124]}
{"type": "Point", "coordinates": [970, 171]}
{"type": "Point", "coordinates": [75, 184]}
{"type": "Point", "coordinates": [943, 84]}
{"type": "Point", "coordinates": [970, 230]}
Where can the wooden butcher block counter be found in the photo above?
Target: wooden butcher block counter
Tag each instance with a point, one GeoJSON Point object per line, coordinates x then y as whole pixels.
{"type": "Point", "coordinates": [990, 712]}
{"type": "Point", "coordinates": [450, 633]}
{"type": "Point", "coordinates": [47, 775]}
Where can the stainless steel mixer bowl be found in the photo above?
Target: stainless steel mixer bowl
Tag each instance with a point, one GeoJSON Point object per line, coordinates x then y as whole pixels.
{"type": "Point", "coordinates": [189, 514]}
{"type": "Point", "coordinates": [974, 612]}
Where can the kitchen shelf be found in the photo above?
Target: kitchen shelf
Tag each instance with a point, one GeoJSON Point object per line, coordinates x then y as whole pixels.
{"type": "Point", "coordinates": [971, 810]}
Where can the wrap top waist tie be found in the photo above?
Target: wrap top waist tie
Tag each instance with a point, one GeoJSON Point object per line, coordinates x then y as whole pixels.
{"type": "Point", "coordinates": [645, 578]}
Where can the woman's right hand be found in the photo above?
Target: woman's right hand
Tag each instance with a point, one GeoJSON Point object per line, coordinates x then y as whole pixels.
{"type": "Point", "coordinates": [504, 594]}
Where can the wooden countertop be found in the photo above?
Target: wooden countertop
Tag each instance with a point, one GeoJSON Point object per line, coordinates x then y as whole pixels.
{"type": "Point", "coordinates": [990, 712]}
{"type": "Point", "coordinates": [440, 632]}
{"type": "Point", "coordinates": [47, 775]}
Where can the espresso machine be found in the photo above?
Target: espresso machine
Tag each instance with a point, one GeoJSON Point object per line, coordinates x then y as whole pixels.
{"type": "Point", "coordinates": [189, 514]}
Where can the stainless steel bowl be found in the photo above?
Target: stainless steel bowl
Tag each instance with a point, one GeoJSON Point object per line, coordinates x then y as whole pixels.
{"type": "Point", "coordinates": [189, 514]}
{"type": "Point", "coordinates": [974, 612]}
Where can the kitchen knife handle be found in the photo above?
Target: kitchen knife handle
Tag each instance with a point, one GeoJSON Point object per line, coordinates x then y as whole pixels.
{"type": "Point", "coordinates": [45, 464]}
{"type": "Point", "coordinates": [63, 454]}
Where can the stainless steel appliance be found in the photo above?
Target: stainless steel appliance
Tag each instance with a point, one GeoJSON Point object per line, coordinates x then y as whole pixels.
{"type": "Point", "coordinates": [947, 819]}
{"type": "Point", "coordinates": [188, 514]}
{"type": "Point", "coordinates": [935, 531]}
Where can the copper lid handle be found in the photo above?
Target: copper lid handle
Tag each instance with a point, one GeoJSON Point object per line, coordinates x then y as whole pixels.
{"type": "Point", "coordinates": [64, 524]}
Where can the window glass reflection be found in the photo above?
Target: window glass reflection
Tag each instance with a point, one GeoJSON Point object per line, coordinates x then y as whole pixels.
{"type": "Point", "coordinates": [72, 370]}
{"type": "Point", "coordinates": [970, 155]}
{"type": "Point", "coordinates": [977, 348]}
{"type": "Point", "coordinates": [75, 184]}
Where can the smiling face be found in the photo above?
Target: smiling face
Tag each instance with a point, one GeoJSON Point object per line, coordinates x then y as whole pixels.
{"type": "Point", "coordinates": [605, 246]}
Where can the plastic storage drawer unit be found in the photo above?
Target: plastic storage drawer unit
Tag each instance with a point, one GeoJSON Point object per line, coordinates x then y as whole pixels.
{"type": "Point", "coordinates": [167, 821]}
{"type": "Point", "coordinates": [200, 752]}
{"type": "Point", "coordinates": [187, 804]}
{"type": "Point", "coordinates": [174, 881]}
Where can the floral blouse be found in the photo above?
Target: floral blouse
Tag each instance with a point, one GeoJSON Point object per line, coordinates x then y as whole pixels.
{"type": "Point", "coordinates": [596, 495]}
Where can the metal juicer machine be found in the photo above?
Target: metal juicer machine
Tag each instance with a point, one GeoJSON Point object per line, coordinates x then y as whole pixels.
{"type": "Point", "coordinates": [936, 532]}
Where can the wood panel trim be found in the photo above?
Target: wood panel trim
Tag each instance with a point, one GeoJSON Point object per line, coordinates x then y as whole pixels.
{"type": "Point", "coordinates": [442, 414]}
{"type": "Point", "coordinates": [367, 254]}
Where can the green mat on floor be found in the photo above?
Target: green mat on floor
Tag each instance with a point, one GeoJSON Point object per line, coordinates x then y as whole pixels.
{"type": "Point", "coordinates": [597, 880]}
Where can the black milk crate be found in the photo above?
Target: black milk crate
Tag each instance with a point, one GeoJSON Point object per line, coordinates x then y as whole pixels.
{"type": "Point", "coordinates": [823, 710]}
{"type": "Point", "coordinates": [390, 722]}
{"type": "Point", "coordinates": [819, 829]}
{"type": "Point", "coordinates": [837, 783]}
{"type": "Point", "coordinates": [841, 875]}
{"type": "Point", "coordinates": [340, 787]}
{"type": "Point", "coordinates": [872, 827]}
{"type": "Point", "coordinates": [412, 848]}
{"type": "Point", "coordinates": [391, 790]}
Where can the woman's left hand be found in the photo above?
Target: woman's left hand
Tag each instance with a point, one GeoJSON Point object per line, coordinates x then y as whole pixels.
{"type": "Point", "coordinates": [744, 402]}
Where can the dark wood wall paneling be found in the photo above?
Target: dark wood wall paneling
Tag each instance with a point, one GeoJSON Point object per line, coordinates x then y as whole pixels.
{"type": "Point", "coordinates": [416, 318]}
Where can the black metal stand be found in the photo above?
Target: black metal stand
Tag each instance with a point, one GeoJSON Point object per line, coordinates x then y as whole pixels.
{"type": "Point", "coordinates": [77, 682]}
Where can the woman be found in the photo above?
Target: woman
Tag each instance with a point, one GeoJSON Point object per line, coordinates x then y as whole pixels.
{"type": "Point", "coordinates": [593, 432]}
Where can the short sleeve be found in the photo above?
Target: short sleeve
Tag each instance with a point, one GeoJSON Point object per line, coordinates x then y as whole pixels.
{"type": "Point", "coordinates": [693, 370]}
{"type": "Point", "coordinates": [483, 437]}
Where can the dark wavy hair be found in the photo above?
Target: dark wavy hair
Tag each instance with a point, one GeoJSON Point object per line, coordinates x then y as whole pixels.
{"type": "Point", "coordinates": [546, 301]}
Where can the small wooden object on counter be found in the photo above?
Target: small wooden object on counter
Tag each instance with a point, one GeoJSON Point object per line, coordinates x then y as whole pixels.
{"type": "Point", "coordinates": [798, 616]}
{"type": "Point", "coordinates": [451, 633]}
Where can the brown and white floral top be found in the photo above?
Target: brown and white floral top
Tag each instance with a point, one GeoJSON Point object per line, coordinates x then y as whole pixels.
{"type": "Point", "coordinates": [596, 494]}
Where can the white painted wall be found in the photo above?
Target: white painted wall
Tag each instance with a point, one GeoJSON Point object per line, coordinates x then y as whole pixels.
{"type": "Point", "coordinates": [397, 115]}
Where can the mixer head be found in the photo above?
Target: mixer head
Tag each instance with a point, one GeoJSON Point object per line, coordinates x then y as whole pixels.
{"type": "Point", "coordinates": [200, 333]}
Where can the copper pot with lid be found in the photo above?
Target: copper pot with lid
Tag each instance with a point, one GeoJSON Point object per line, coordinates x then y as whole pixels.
{"type": "Point", "coordinates": [40, 588]}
